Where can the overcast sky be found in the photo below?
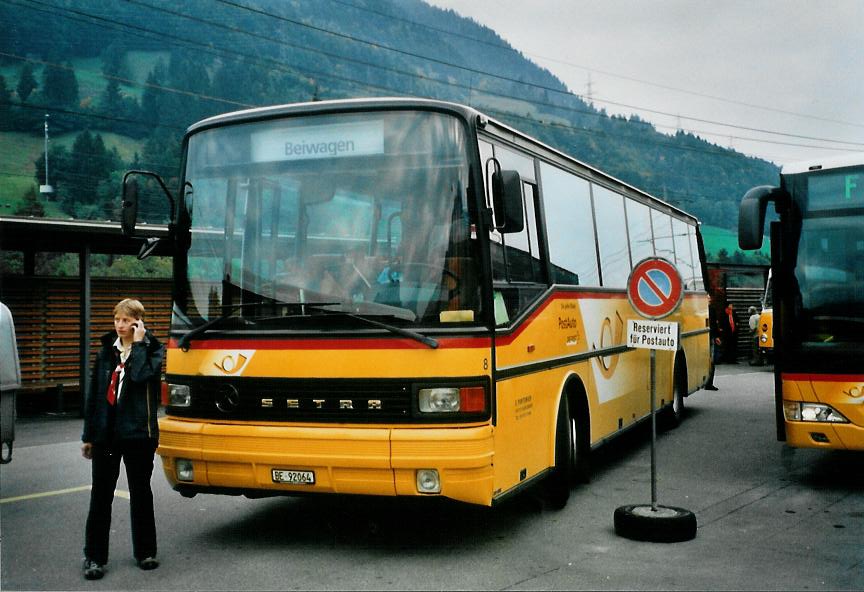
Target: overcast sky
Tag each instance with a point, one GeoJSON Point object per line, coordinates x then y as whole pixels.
{"type": "Point", "coordinates": [795, 67]}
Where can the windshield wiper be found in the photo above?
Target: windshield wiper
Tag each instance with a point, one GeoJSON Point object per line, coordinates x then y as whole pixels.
{"type": "Point", "coordinates": [425, 340]}
{"type": "Point", "coordinates": [184, 341]}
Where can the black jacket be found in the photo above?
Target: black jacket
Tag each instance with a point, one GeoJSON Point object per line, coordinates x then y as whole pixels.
{"type": "Point", "coordinates": [135, 413]}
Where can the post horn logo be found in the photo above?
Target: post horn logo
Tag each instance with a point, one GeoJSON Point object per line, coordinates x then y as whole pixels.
{"type": "Point", "coordinates": [231, 364]}
{"type": "Point", "coordinates": [608, 338]}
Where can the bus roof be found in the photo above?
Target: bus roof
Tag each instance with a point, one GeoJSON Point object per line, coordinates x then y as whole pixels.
{"type": "Point", "coordinates": [821, 164]}
{"type": "Point", "coordinates": [383, 103]}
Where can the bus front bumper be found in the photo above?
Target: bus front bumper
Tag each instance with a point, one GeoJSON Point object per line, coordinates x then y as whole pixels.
{"type": "Point", "coordinates": [837, 436]}
{"type": "Point", "coordinates": [240, 459]}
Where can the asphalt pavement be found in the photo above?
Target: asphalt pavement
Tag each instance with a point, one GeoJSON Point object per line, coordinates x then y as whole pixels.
{"type": "Point", "coordinates": [769, 518]}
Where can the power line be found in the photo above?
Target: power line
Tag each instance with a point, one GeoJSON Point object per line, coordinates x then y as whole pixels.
{"type": "Point", "coordinates": [475, 71]}
{"type": "Point", "coordinates": [509, 47]}
{"type": "Point", "coordinates": [353, 81]}
{"type": "Point", "coordinates": [89, 114]}
{"type": "Point", "coordinates": [449, 64]}
{"type": "Point", "coordinates": [406, 73]}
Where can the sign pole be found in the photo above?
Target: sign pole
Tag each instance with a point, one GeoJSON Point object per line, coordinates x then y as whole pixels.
{"type": "Point", "coordinates": [653, 356]}
{"type": "Point", "coordinates": [655, 290]}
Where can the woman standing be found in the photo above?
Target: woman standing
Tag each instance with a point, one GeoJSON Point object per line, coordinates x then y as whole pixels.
{"type": "Point", "coordinates": [120, 423]}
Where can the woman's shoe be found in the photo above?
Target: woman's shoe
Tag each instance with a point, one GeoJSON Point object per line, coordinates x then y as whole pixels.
{"type": "Point", "coordinates": [148, 563]}
{"type": "Point", "coordinates": [92, 570]}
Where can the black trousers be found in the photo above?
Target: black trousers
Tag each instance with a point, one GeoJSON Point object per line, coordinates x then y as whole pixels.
{"type": "Point", "coordinates": [137, 455]}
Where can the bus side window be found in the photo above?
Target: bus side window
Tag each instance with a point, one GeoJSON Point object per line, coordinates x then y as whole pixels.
{"type": "Point", "coordinates": [523, 262]}
{"type": "Point", "coordinates": [683, 258]}
{"type": "Point", "coordinates": [517, 265]}
{"type": "Point", "coordinates": [517, 262]}
{"type": "Point", "coordinates": [569, 227]}
{"type": "Point", "coordinates": [664, 246]}
{"type": "Point", "coordinates": [697, 282]}
{"type": "Point", "coordinates": [611, 237]}
{"type": "Point", "coordinates": [639, 230]}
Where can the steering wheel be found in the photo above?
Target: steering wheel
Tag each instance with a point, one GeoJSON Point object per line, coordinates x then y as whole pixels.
{"type": "Point", "coordinates": [406, 264]}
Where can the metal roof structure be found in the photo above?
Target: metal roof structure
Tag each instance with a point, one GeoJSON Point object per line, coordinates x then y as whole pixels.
{"type": "Point", "coordinates": [30, 235]}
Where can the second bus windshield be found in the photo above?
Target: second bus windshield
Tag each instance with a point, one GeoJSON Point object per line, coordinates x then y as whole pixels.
{"type": "Point", "coordinates": [830, 262]}
{"type": "Point", "coordinates": [362, 213]}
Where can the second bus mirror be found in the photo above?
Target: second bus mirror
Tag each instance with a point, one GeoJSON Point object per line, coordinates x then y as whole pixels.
{"type": "Point", "coordinates": [751, 214]}
{"type": "Point", "coordinates": [507, 201]}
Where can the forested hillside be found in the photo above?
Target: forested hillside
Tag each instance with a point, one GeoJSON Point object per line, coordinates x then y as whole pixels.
{"type": "Point", "coordinates": [121, 80]}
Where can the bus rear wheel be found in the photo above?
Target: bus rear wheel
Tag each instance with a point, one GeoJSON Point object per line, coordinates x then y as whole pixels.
{"type": "Point", "coordinates": [571, 457]}
{"type": "Point", "coordinates": [673, 414]}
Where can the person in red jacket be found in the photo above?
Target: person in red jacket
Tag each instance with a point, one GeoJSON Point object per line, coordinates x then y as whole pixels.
{"type": "Point", "coordinates": [120, 423]}
{"type": "Point", "coordinates": [730, 349]}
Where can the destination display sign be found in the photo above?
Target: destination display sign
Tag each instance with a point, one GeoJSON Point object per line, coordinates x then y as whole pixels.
{"type": "Point", "coordinates": [361, 138]}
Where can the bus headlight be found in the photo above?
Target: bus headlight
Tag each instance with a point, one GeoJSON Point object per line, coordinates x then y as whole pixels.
{"type": "Point", "coordinates": [179, 395]}
{"type": "Point", "coordinates": [185, 469]}
{"type": "Point", "coordinates": [763, 338]}
{"type": "Point", "coordinates": [438, 400]}
{"type": "Point", "coordinates": [470, 399]}
{"type": "Point", "coordinates": [812, 412]}
{"type": "Point", "coordinates": [428, 481]}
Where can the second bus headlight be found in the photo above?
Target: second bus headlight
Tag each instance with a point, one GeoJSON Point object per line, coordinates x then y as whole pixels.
{"type": "Point", "coordinates": [815, 412]}
{"type": "Point", "coordinates": [179, 395]}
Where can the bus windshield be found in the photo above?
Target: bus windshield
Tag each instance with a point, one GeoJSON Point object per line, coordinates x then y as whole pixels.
{"type": "Point", "coordinates": [295, 218]}
{"type": "Point", "coordinates": [830, 264]}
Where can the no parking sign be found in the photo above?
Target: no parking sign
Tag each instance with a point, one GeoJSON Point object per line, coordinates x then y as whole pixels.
{"type": "Point", "coordinates": [655, 290]}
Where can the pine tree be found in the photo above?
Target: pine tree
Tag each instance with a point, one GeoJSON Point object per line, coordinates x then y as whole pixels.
{"type": "Point", "coordinates": [59, 85]}
{"type": "Point", "coordinates": [5, 107]}
{"type": "Point", "coordinates": [30, 205]}
{"type": "Point", "coordinates": [114, 60]}
{"type": "Point", "coordinates": [111, 101]}
{"type": "Point", "coordinates": [26, 83]}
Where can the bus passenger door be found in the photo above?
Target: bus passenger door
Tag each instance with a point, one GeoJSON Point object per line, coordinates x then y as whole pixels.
{"type": "Point", "coordinates": [524, 403]}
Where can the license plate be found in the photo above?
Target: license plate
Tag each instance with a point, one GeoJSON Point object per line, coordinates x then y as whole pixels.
{"type": "Point", "coordinates": [293, 477]}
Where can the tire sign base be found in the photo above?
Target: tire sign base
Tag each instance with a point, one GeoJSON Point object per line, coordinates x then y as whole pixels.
{"type": "Point", "coordinates": [655, 290]}
{"type": "Point", "coordinates": [655, 524]}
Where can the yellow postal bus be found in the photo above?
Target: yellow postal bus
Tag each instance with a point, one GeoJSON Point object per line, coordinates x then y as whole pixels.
{"type": "Point", "coordinates": [765, 328]}
{"type": "Point", "coordinates": [406, 297]}
{"type": "Point", "coordinates": [817, 265]}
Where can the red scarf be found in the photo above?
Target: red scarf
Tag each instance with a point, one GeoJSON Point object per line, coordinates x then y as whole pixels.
{"type": "Point", "coordinates": [111, 395]}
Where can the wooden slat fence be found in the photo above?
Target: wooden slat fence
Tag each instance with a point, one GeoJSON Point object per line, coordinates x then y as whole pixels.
{"type": "Point", "coordinates": [46, 312]}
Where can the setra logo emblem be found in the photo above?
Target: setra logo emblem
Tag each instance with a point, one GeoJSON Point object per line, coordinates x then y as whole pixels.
{"type": "Point", "coordinates": [231, 364]}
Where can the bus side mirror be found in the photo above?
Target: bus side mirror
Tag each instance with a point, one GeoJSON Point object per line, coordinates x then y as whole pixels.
{"type": "Point", "coordinates": [751, 214]}
{"type": "Point", "coordinates": [129, 206]}
{"type": "Point", "coordinates": [507, 201]}
{"type": "Point", "coordinates": [131, 198]}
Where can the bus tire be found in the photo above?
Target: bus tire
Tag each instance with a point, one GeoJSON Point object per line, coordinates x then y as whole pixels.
{"type": "Point", "coordinates": [673, 413]}
{"type": "Point", "coordinates": [640, 522]}
{"type": "Point", "coordinates": [580, 443]}
{"type": "Point", "coordinates": [557, 484]}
